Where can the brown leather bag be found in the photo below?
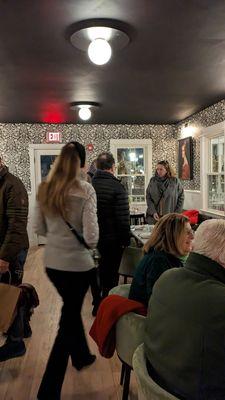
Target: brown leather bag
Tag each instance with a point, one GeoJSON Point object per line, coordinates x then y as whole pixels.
{"type": "Point", "coordinates": [9, 297]}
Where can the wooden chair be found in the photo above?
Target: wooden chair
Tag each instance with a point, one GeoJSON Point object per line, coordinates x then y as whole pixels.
{"type": "Point", "coordinates": [137, 219]}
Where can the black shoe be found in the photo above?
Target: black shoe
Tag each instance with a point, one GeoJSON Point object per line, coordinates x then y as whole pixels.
{"type": "Point", "coordinates": [95, 310]}
{"type": "Point", "coordinates": [11, 350]}
{"type": "Point", "coordinates": [90, 360]}
{"type": "Point", "coordinates": [27, 331]}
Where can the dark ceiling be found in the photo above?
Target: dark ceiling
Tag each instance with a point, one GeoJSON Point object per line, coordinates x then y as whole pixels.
{"type": "Point", "coordinates": [173, 66]}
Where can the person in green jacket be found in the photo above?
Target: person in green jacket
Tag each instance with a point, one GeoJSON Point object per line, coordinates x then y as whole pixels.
{"type": "Point", "coordinates": [185, 326]}
{"type": "Point", "coordinates": [169, 244]}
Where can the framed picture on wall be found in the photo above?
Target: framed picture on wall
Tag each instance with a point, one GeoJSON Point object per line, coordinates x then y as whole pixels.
{"type": "Point", "coordinates": [185, 161]}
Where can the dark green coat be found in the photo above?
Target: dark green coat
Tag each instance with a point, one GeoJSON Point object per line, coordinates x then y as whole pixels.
{"type": "Point", "coordinates": [185, 330]}
{"type": "Point", "coordinates": [13, 216]}
{"type": "Point", "coordinates": [152, 265]}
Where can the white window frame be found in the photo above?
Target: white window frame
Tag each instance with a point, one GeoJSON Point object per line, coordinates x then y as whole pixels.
{"type": "Point", "coordinates": [146, 144]}
{"type": "Point", "coordinates": [207, 134]}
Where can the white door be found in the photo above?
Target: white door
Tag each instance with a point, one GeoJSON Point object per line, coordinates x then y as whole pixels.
{"type": "Point", "coordinates": [43, 158]}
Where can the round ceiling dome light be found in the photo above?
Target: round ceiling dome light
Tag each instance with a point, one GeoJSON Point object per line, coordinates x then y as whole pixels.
{"type": "Point", "coordinates": [84, 108]}
{"type": "Point", "coordinates": [99, 51]}
{"type": "Point", "coordinates": [99, 37]}
{"type": "Point", "coordinates": [84, 112]}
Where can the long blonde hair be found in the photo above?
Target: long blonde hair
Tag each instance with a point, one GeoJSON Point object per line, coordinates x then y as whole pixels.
{"type": "Point", "coordinates": [166, 234]}
{"type": "Point", "coordinates": [63, 176]}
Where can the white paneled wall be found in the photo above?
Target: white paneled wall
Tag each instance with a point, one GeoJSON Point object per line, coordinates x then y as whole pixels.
{"type": "Point", "coordinates": [192, 200]}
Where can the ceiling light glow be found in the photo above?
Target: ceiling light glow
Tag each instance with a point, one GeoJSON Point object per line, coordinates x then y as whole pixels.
{"type": "Point", "coordinates": [99, 32]}
{"type": "Point", "coordinates": [99, 51]}
{"type": "Point", "coordinates": [84, 112]}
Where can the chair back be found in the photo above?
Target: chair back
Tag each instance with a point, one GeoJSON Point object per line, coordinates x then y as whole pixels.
{"type": "Point", "coordinates": [129, 335]}
{"type": "Point", "coordinates": [130, 259]}
{"type": "Point", "coordinates": [137, 219]}
{"type": "Point", "coordinates": [129, 329]}
{"type": "Point", "coordinates": [121, 290]}
{"type": "Point", "coordinates": [147, 388]}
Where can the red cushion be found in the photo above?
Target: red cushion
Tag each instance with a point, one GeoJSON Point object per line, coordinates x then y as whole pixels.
{"type": "Point", "coordinates": [192, 215]}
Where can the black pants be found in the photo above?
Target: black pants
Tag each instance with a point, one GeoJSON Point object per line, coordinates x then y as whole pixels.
{"type": "Point", "coordinates": [70, 339]}
{"type": "Point", "coordinates": [108, 266]}
{"type": "Point", "coordinates": [95, 286]}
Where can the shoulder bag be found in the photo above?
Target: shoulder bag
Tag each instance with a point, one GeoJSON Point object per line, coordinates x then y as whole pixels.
{"type": "Point", "coordinates": [9, 296]}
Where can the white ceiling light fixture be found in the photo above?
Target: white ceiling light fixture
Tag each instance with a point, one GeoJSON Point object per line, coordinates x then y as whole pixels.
{"type": "Point", "coordinates": [84, 109]}
{"type": "Point", "coordinates": [99, 51]}
{"type": "Point", "coordinates": [84, 112]}
{"type": "Point", "coordinates": [99, 38]}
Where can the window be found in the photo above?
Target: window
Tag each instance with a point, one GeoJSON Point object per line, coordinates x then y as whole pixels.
{"type": "Point", "coordinates": [215, 176]}
{"type": "Point", "coordinates": [212, 169]}
{"type": "Point", "coordinates": [133, 166]}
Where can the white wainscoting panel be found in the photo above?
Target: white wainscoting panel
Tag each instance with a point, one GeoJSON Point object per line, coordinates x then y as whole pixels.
{"type": "Point", "coordinates": [192, 200]}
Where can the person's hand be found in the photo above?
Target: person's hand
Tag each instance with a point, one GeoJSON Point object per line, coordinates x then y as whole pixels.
{"type": "Point", "coordinates": [4, 266]}
{"type": "Point", "coordinates": [156, 216]}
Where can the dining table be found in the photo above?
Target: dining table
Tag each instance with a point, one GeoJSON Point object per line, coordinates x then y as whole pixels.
{"type": "Point", "coordinates": [141, 233]}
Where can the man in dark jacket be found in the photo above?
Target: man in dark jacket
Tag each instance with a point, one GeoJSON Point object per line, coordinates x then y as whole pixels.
{"type": "Point", "coordinates": [113, 219]}
{"type": "Point", "coordinates": [13, 225]}
{"type": "Point", "coordinates": [13, 248]}
{"type": "Point", "coordinates": [185, 326]}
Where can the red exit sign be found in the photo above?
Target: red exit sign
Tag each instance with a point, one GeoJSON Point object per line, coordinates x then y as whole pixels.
{"type": "Point", "coordinates": [53, 137]}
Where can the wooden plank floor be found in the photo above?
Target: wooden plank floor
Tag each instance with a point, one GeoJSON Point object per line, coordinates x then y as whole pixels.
{"type": "Point", "coordinates": [20, 377]}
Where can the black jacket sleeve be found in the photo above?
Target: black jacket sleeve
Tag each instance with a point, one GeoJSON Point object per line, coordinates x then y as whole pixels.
{"type": "Point", "coordinates": [122, 215]}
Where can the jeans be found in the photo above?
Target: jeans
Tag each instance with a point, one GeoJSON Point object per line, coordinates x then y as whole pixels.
{"type": "Point", "coordinates": [70, 340]}
{"type": "Point", "coordinates": [16, 269]}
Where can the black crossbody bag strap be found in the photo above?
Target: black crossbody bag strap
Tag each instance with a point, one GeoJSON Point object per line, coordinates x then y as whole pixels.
{"type": "Point", "coordinates": [78, 235]}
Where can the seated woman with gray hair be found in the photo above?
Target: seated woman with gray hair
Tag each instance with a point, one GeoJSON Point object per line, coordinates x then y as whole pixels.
{"type": "Point", "coordinates": [185, 327]}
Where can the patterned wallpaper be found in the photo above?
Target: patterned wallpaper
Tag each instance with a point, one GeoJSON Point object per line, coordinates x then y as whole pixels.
{"type": "Point", "coordinates": [197, 122]}
{"type": "Point", "coordinates": [15, 140]}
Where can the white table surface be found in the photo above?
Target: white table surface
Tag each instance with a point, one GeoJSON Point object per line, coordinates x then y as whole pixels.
{"type": "Point", "coordinates": [137, 230]}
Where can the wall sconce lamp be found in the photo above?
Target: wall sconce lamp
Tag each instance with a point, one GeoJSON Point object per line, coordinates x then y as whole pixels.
{"type": "Point", "coordinates": [99, 38]}
{"type": "Point", "coordinates": [189, 129]}
{"type": "Point", "coordinates": [84, 108]}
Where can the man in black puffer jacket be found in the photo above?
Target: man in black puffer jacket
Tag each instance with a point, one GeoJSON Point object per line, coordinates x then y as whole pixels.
{"type": "Point", "coordinates": [113, 219]}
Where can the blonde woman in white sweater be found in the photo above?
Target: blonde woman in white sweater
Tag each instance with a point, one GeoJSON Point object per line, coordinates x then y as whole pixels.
{"type": "Point", "coordinates": [65, 198]}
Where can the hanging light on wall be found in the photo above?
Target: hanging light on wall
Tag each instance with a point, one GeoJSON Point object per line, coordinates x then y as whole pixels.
{"type": "Point", "coordinates": [99, 38]}
{"type": "Point", "coordinates": [189, 129]}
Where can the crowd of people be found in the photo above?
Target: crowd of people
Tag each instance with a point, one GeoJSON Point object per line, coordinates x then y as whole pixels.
{"type": "Point", "coordinates": [180, 279]}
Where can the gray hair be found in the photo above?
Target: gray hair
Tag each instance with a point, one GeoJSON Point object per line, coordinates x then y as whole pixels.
{"type": "Point", "coordinates": [210, 240]}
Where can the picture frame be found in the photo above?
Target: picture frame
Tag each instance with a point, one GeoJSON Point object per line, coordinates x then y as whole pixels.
{"type": "Point", "coordinates": [185, 159]}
